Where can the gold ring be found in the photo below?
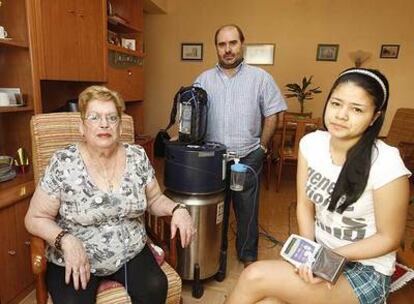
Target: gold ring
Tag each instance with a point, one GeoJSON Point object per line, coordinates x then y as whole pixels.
{"type": "Point", "coordinates": [75, 272]}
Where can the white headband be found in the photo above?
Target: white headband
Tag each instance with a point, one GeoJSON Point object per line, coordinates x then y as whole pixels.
{"type": "Point", "coordinates": [372, 75]}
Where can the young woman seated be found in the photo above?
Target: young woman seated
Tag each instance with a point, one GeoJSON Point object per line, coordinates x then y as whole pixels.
{"type": "Point", "coordinates": [352, 196]}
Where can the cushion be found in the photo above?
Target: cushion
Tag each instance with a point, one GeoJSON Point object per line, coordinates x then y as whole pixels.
{"type": "Point", "coordinates": [158, 253]}
{"type": "Point", "coordinates": [111, 292]}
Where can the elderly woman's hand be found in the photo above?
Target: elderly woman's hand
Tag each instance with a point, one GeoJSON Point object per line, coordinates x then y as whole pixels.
{"type": "Point", "coordinates": [182, 220]}
{"type": "Point", "coordinates": [76, 261]}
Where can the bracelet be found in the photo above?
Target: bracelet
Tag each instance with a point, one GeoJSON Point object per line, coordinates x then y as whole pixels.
{"type": "Point", "coordinates": [178, 206]}
{"type": "Point", "coordinates": [58, 240]}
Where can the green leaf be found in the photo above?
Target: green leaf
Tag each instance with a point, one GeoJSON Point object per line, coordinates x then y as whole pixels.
{"type": "Point", "coordinates": [302, 93]}
{"type": "Point", "coordinates": [294, 86]}
{"type": "Point", "coordinates": [290, 95]}
{"type": "Point", "coordinates": [315, 90]}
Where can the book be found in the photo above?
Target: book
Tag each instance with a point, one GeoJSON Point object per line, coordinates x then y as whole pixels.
{"type": "Point", "coordinates": [324, 262]}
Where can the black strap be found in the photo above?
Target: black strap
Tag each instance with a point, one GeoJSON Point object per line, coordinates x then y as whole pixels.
{"type": "Point", "coordinates": [174, 109]}
{"type": "Point", "coordinates": [177, 97]}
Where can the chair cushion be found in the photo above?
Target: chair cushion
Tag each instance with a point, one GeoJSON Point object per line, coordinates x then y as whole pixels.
{"type": "Point", "coordinates": [112, 292]}
{"type": "Point", "coordinates": [107, 284]}
{"type": "Point", "coordinates": [158, 253]}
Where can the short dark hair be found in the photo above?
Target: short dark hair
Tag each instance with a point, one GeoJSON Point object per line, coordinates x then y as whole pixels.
{"type": "Point", "coordinates": [241, 35]}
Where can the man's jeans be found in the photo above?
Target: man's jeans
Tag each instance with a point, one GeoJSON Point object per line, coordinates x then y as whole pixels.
{"type": "Point", "coordinates": [245, 206]}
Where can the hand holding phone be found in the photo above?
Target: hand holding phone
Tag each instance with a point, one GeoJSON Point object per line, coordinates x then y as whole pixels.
{"type": "Point", "coordinates": [324, 262]}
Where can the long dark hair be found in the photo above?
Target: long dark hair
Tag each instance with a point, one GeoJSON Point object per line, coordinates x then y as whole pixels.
{"type": "Point", "coordinates": [355, 172]}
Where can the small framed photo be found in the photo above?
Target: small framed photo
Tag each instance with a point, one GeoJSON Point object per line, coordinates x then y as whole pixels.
{"type": "Point", "coordinates": [129, 44]}
{"type": "Point", "coordinates": [192, 51]}
{"type": "Point", "coordinates": [260, 54]}
{"type": "Point", "coordinates": [113, 38]}
{"type": "Point", "coordinates": [327, 52]}
{"type": "Point", "coordinates": [390, 51]}
{"type": "Point", "coordinates": [15, 98]}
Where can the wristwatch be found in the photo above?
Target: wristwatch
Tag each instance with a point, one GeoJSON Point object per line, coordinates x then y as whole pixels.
{"type": "Point", "coordinates": [179, 206]}
{"type": "Point", "coordinates": [263, 147]}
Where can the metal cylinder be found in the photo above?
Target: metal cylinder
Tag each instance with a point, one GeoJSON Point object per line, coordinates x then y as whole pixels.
{"type": "Point", "coordinates": [207, 214]}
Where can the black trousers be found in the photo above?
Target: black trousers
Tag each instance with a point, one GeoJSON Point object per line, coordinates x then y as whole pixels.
{"type": "Point", "coordinates": [147, 283]}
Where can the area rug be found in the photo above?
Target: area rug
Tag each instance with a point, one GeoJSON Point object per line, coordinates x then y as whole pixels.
{"type": "Point", "coordinates": [402, 275]}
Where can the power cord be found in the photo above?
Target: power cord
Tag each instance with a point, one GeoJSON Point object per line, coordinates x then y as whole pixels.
{"type": "Point", "coordinates": [263, 233]}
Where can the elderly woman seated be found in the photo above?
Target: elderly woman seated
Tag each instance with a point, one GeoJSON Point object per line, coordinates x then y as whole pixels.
{"type": "Point", "coordinates": [89, 207]}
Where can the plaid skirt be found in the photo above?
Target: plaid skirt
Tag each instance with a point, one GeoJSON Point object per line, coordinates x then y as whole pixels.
{"type": "Point", "coordinates": [370, 286]}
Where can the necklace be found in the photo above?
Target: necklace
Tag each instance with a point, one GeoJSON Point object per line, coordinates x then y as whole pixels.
{"type": "Point", "coordinates": [106, 177]}
{"type": "Point", "coordinates": [109, 179]}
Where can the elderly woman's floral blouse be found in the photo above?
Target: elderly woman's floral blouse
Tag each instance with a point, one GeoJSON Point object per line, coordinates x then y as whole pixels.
{"type": "Point", "coordinates": [110, 224]}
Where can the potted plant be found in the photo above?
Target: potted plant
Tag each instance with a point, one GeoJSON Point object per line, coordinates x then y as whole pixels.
{"type": "Point", "coordinates": [302, 92]}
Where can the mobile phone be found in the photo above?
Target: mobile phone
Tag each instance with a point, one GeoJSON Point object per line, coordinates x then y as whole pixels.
{"type": "Point", "coordinates": [298, 250]}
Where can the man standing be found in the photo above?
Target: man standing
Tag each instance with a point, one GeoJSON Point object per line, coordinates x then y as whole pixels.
{"type": "Point", "coordinates": [243, 103]}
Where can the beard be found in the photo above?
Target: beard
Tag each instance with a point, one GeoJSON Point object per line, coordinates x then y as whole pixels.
{"type": "Point", "coordinates": [228, 66]}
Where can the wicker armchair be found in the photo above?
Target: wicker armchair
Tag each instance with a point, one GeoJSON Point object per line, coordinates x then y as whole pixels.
{"type": "Point", "coordinates": [49, 133]}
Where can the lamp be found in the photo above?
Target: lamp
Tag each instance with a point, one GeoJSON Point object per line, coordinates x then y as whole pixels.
{"type": "Point", "coordinates": [359, 57]}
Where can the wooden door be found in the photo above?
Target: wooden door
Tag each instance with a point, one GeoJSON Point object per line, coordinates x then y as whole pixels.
{"type": "Point", "coordinates": [118, 81]}
{"type": "Point", "coordinates": [10, 277]}
{"type": "Point", "coordinates": [129, 82]}
{"type": "Point", "coordinates": [73, 36]}
{"type": "Point", "coordinates": [136, 82]}
{"type": "Point", "coordinates": [59, 39]}
{"type": "Point", "coordinates": [23, 244]}
{"type": "Point", "coordinates": [92, 40]}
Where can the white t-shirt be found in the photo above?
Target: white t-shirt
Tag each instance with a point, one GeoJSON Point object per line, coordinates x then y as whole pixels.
{"type": "Point", "coordinates": [358, 220]}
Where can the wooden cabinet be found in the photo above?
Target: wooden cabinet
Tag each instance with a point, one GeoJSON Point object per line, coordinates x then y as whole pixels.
{"type": "Point", "coordinates": [50, 41]}
{"type": "Point", "coordinates": [14, 252]}
{"type": "Point", "coordinates": [17, 71]}
{"type": "Point", "coordinates": [71, 36]}
{"type": "Point", "coordinates": [15, 267]}
{"type": "Point", "coordinates": [128, 81]}
{"type": "Point", "coordinates": [77, 39]}
{"type": "Point", "coordinates": [125, 61]}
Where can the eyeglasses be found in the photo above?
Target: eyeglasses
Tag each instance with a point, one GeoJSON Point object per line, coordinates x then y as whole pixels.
{"type": "Point", "coordinates": [95, 118]}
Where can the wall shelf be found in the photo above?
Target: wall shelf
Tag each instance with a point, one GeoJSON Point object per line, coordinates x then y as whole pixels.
{"type": "Point", "coordinates": [13, 43]}
{"type": "Point", "coordinates": [15, 109]}
{"type": "Point", "coordinates": [124, 50]}
{"type": "Point", "coordinates": [117, 24]}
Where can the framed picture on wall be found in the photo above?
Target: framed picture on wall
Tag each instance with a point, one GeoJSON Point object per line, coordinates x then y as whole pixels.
{"type": "Point", "coordinates": [192, 51]}
{"type": "Point", "coordinates": [327, 52]}
{"type": "Point", "coordinates": [261, 54]}
{"type": "Point", "coordinates": [390, 51]}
